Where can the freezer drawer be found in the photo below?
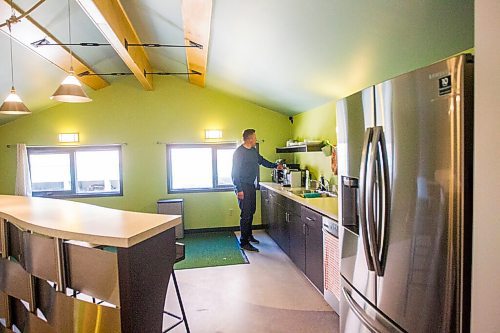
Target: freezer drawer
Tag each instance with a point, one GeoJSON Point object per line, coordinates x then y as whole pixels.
{"type": "Point", "coordinates": [360, 316]}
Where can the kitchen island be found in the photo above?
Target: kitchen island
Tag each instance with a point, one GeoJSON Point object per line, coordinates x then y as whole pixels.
{"type": "Point", "coordinates": [53, 251]}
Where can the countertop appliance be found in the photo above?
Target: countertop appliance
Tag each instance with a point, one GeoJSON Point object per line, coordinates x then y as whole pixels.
{"type": "Point", "coordinates": [280, 176]}
{"type": "Point", "coordinates": [331, 262]}
{"type": "Point", "coordinates": [294, 178]}
{"type": "Point", "coordinates": [405, 169]}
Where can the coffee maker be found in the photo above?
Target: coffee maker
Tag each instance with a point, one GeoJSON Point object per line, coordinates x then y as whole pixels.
{"type": "Point", "coordinates": [279, 176]}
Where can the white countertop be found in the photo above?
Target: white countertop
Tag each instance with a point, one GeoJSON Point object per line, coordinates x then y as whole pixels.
{"type": "Point", "coordinates": [327, 206]}
{"type": "Point", "coordinates": [83, 222]}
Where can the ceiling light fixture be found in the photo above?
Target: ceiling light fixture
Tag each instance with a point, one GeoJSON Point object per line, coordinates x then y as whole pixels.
{"type": "Point", "coordinates": [70, 90]}
{"type": "Point", "coordinates": [13, 103]}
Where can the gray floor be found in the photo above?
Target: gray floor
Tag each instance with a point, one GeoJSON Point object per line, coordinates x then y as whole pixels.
{"type": "Point", "coordinates": [268, 295]}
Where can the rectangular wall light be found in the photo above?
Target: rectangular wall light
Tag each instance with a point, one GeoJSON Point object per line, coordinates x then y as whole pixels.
{"type": "Point", "coordinates": [69, 137]}
{"type": "Point", "coordinates": [213, 134]}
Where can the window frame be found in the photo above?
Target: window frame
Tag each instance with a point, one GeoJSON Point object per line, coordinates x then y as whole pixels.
{"type": "Point", "coordinates": [72, 150]}
{"type": "Point", "coordinates": [214, 147]}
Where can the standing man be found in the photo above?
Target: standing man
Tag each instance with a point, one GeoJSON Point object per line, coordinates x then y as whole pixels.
{"type": "Point", "coordinates": [246, 161]}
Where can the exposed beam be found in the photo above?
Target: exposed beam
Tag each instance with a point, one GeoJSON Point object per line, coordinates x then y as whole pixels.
{"type": "Point", "coordinates": [197, 15]}
{"type": "Point", "coordinates": [28, 31]}
{"type": "Point", "coordinates": [110, 18]}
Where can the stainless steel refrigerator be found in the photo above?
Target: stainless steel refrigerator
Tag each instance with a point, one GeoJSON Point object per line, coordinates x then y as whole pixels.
{"type": "Point", "coordinates": [405, 176]}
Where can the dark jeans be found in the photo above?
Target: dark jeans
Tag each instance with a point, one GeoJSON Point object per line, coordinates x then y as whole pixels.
{"type": "Point", "coordinates": [247, 207]}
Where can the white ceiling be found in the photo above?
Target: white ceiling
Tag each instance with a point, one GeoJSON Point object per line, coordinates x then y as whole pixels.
{"type": "Point", "coordinates": [287, 55]}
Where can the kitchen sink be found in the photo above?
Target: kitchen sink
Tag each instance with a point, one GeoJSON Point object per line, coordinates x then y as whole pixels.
{"type": "Point", "coordinates": [312, 193]}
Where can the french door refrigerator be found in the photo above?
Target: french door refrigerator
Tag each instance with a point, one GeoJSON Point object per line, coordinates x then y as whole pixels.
{"type": "Point", "coordinates": [405, 167]}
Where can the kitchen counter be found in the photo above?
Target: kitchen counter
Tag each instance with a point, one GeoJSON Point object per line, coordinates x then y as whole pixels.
{"type": "Point", "coordinates": [83, 222]}
{"type": "Point", "coordinates": [327, 206]}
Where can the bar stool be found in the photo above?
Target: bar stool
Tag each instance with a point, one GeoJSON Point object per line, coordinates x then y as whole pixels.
{"type": "Point", "coordinates": [180, 254]}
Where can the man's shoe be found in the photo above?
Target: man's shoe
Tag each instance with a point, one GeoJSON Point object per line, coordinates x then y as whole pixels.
{"type": "Point", "coordinates": [253, 240]}
{"type": "Point", "coordinates": [249, 247]}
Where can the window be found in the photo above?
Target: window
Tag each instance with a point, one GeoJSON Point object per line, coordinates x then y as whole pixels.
{"type": "Point", "coordinates": [76, 171]}
{"type": "Point", "coordinates": [200, 167]}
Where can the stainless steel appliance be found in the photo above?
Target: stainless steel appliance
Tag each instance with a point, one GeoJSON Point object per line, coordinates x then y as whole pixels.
{"type": "Point", "coordinates": [294, 178]}
{"type": "Point", "coordinates": [405, 170]}
{"type": "Point", "coordinates": [331, 263]}
{"type": "Point", "coordinates": [278, 176]}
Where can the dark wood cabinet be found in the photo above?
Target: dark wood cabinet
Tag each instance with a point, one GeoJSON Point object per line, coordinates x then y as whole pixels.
{"type": "Point", "coordinates": [298, 241]}
{"type": "Point", "coordinates": [298, 232]}
{"type": "Point", "coordinates": [264, 207]}
{"type": "Point", "coordinates": [283, 229]}
{"type": "Point", "coordinates": [314, 246]}
{"type": "Point", "coordinates": [272, 213]}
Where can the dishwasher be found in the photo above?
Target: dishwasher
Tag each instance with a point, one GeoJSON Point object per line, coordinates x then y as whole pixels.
{"type": "Point", "coordinates": [331, 262]}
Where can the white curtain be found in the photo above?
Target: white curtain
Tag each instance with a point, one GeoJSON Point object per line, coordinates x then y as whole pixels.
{"type": "Point", "coordinates": [23, 180]}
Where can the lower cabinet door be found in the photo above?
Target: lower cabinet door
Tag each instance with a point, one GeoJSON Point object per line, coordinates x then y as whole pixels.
{"type": "Point", "coordinates": [297, 241]}
{"type": "Point", "coordinates": [314, 246]}
{"type": "Point", "coordinates": [283, 230]}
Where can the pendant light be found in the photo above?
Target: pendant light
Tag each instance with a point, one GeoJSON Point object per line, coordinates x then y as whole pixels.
{"type": "Point", "coordinates": [70, 90]}
{"type": "Point", "coordinates": [13, 103]}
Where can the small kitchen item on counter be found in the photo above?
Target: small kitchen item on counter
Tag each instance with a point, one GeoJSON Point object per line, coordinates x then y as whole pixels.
{"type": "Point", "coordinates": [278, 176]}
{"type": "Point", "coordinates": [312, 195]}
{"type": "Point", "coordinates": [294, 178]}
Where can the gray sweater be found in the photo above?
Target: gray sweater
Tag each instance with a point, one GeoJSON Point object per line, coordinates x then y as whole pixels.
{"type": "Point", "coordinates": [246, 166]}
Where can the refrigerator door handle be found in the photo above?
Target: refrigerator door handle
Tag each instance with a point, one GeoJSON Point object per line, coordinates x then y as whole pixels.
{"type": "Point", "coordinates": [378, 229]}
{"type": "Point", "coordinates": [384, 203]}
{"type": "Point", "coordinates": [362, 197]}
{"type": "Point", "coordinates": [360, 313]}
{"type": "Point", "coordinates": [372, 173]}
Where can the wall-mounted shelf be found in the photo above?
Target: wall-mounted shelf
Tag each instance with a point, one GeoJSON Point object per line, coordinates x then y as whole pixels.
{"type": "Point", "coordinates": [298, 149]}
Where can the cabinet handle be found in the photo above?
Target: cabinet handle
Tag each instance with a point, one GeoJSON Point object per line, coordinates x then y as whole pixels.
{"type": "Point", "coordinates": [309, 219]}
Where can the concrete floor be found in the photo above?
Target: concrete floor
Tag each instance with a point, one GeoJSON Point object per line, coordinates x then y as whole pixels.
{"type": "Point", "coordinates": [268, 295]}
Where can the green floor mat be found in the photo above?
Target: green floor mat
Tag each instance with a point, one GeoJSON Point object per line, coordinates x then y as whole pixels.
{"type": "Point", "coordinates": [210, 249]}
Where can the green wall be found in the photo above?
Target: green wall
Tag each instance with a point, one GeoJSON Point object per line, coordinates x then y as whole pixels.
{"type": "Point", "coordinates": [316, 124]}
{"type": "Point", "coordinates": [174, 112]}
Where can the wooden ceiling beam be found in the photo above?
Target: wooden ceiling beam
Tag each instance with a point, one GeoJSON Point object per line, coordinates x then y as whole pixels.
{"type": "Point", "coordinates": [197, 16]}
{"type": "Point", "coordinates": [110, 18]}
{"type": "Point", "coordinates": [28, 31]}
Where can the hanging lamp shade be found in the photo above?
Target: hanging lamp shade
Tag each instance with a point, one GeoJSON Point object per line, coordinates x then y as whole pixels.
{"type": "Point", "coordinates": [13, 104]}
{"type": "Point", "coordinates": [70, 91]}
